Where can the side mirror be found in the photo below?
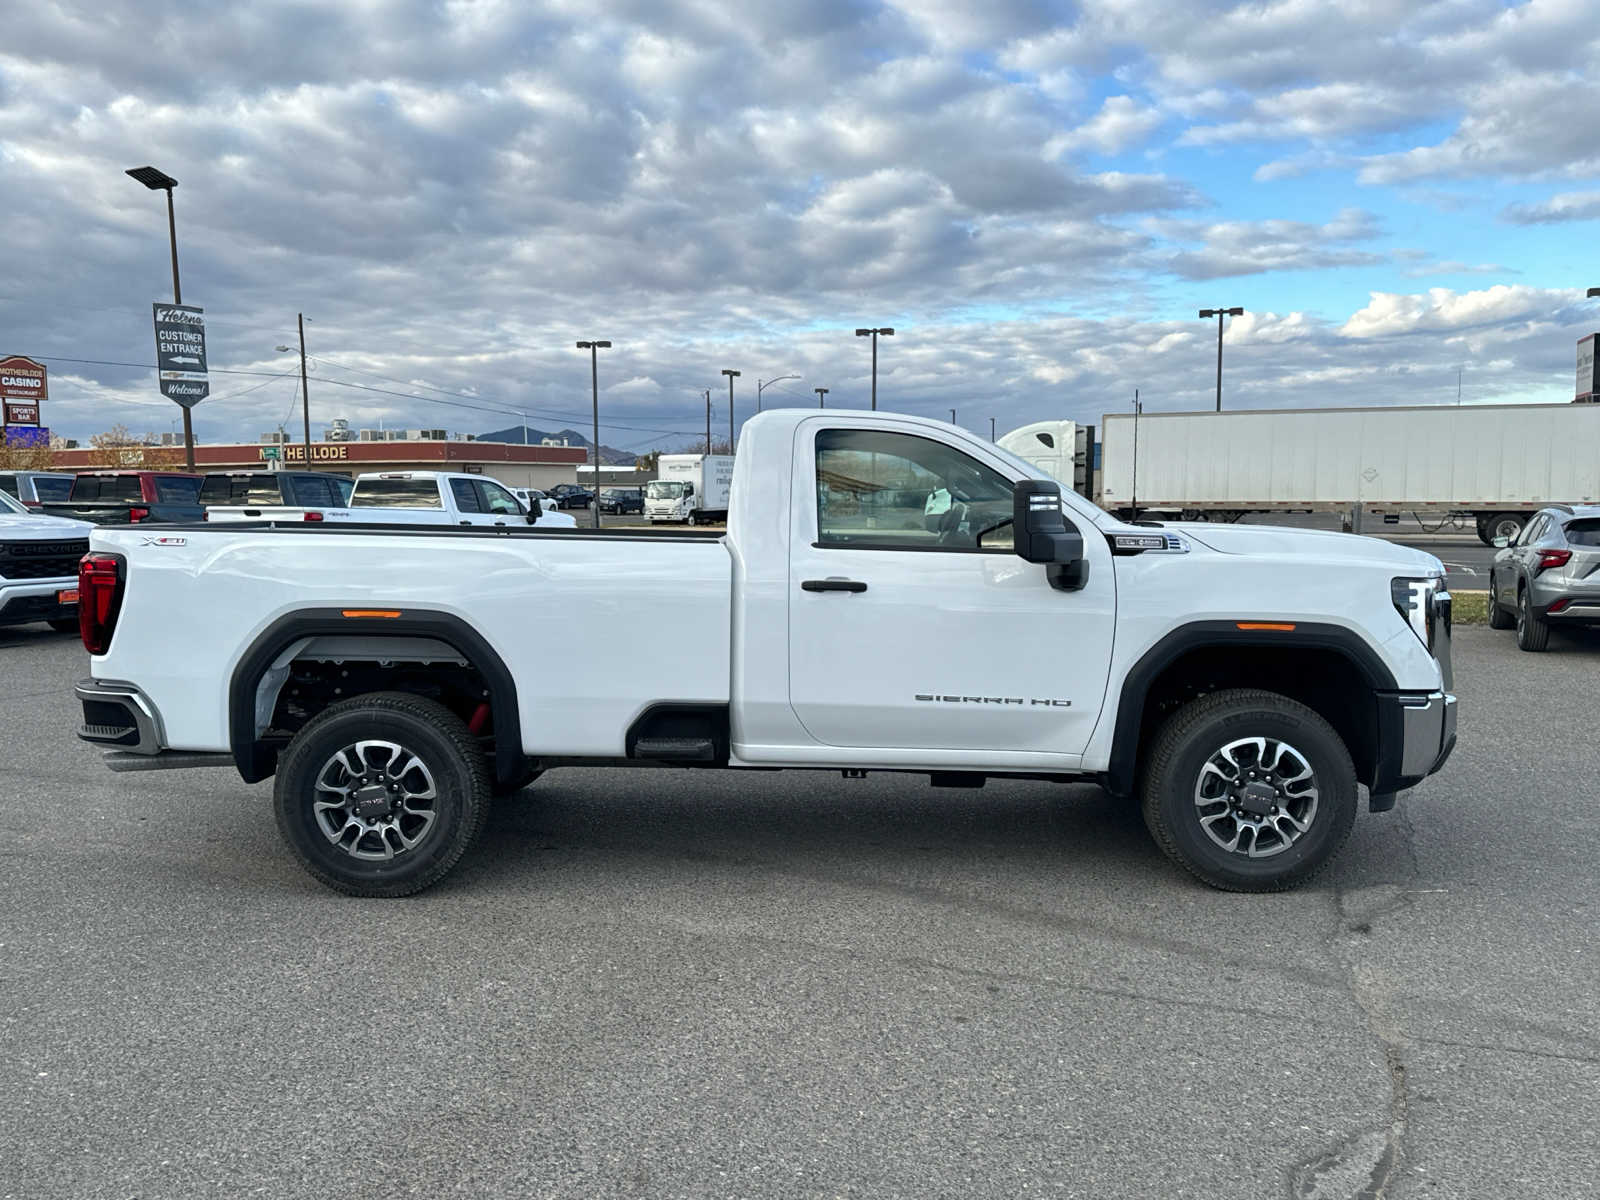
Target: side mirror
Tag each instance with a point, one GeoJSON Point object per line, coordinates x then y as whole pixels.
{"type": "Point", "coordinates": [1042, 534]}
{"type": "Point", "coordinates": [534, 511]}
{"type": "Point", "coordinates": [1500, 543]}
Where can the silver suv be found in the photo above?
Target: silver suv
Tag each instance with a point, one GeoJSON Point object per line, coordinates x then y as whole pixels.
{"type": "Point", "coordinates": [1548, 575]}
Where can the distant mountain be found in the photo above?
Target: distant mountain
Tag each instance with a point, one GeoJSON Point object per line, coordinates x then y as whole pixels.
{"type": "Point", "coordinates": [609, 456]}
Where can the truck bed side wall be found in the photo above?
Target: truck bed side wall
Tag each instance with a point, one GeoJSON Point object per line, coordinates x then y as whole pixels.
{"type": "Point", "coordinates": [591, 631]}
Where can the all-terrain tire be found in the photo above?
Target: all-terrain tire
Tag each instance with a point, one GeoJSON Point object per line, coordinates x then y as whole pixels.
{"type": "Point", "coordinates": [1226, 727]}
{"type": "Point", "coordinates": [438, 805]}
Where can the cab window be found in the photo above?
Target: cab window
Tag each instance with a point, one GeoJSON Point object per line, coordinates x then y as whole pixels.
{"type": "Point", "coordinates": [499, 501]}
{"type": "Point", "coordinates": [896, 491]}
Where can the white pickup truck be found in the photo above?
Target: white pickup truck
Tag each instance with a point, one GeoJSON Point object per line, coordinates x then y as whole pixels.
{"type": "Point", "coordinates": [410, 498]}
{"type": "Point", "coordinates": [891, 594]}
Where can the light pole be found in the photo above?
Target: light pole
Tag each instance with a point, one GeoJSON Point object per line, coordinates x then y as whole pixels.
{"type": "Point", "coordinates": [873, 333]}
{"type": "Point", "coordinates": [594, 349]}
{"type": "Point", "coordinates": [952, 416]}
{"type": "Point", "coordinates": [991, 429]}
{"type": "Point", "coordinates": [160, 181]}
{"type": "Point", "coordinates": [305, 399]}
{"type": "Point", "coordinates": [1206, 314]}
{"type": "Point", "coordinates": [708, 420]}
{"type": "Point", "coordinates": [822, 397]}
{"type": "Point", "coordinates": [761, 386]}
{"type": "Point", "coordinates": [732, 375]}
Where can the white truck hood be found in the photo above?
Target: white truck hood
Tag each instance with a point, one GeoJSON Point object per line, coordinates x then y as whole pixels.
{"type": "Point", "coordinates": [1322, 544]}
{"type": "Point", "coordinates": [31, 528]}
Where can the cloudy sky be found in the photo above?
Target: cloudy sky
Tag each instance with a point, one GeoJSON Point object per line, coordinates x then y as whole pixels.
{"type": "Point", "coordinates": [1037, 196]}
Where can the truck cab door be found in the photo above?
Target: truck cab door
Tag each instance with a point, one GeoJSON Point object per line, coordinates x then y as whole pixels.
{"type": "Point", "coordinates": [913, 624]}
{"type": "Point", "coordinates": [469, 507]}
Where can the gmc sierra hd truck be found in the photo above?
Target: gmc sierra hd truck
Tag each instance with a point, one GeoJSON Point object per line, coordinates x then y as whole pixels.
{"type": "Point", "coordinates": [891, 594]}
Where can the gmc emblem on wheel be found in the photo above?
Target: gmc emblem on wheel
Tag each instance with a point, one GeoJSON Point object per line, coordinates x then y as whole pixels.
{"type": "Point", "coordinates": [930, 698]}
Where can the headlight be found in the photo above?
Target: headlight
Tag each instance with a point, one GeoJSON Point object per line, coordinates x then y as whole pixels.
{"type": "Point", "coordinates": [1423, 604]}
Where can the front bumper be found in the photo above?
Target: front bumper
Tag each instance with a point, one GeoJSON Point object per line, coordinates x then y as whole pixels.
{"type": "Point", "coordinates": [1417, 733]}
{"type": "Point", "coordinates": [35, 600]}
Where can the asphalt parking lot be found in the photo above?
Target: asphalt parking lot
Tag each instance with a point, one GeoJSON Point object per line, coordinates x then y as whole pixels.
{"type": "Point", "coordinates": [661, 983]}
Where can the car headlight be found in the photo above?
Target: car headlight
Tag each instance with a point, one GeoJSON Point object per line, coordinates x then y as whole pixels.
{"type": "Point", "coordinates": [1423, 604]}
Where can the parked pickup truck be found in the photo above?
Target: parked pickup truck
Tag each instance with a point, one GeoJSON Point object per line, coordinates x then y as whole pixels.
{"type": "Point", "coordinates": [1237, 683]}
{"type": "Point", "coordinates": [130, 498]}
{"type": "Point", "coordinates": [273, 495]}
{"type": "Point", "coordinates": [39, 566]}
{"type": "Point", "coordinates": [440, 498]}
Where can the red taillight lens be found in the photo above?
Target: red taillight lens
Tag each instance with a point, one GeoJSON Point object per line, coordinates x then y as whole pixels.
{"type": "Point", "coordinates": [99, 599]}
{"type": "Point", "coordinates": [1561, 604]}
{"type": "Point", "coordinates": [205, 514]}
{"type": "Point", "coordinates": [137, 514]}
{"type": "Point", "coordinates": [1553, 558]}
{"type": "Point", "coordinates": [312, 516]}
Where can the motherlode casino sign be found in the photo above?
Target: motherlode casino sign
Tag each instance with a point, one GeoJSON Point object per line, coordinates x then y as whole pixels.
{"type": "Point", "coordinates": [23, 388]}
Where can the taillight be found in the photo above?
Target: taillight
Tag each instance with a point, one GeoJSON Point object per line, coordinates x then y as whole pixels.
{"type": "Point", "coordinates": [99, 599]}
{"type": "Point", "coordinates": [137, 514]}
{"type": "Point", "coordinates": [205, 514]}
{"type": "Point", "coordinates": [312, 516]}
{"type": "Point", "coordinates": [1561, 604]}
{"type": "Point", "coordinates": [1552, 558]}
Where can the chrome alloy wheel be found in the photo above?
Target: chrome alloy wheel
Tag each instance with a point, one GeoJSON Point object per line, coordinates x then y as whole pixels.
{"type": "Point", "coordinates": [1256, 796]}
{"type": "Point", "coordinates": [374, 800]}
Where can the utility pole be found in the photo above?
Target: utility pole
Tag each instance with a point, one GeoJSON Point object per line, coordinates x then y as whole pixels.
{"type": "Point", "coordinates": [1133, 500]}
{"type": "Point", "coordinates": [708, 420]}
{"type": "Point", "coordinates": [305, 399]}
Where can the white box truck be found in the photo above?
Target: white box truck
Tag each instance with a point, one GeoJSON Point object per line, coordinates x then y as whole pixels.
{"type": "Point", "coordinates": [1495, 463]}
{"type": "Point", "coordinates": [692, 488]}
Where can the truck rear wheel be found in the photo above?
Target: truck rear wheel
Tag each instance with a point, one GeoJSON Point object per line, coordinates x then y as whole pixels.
{"type": "Point", "coordinates": [1249, 791]}
{"type": "Point", "coordinates": [1507, 525]}
{"type": "Point", "coordinates": [382, 794]}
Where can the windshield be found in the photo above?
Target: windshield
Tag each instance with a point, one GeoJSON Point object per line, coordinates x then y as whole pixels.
{"type": "Point", "coordinates": [7, 504]}
{"type": "Point", "coordinates": [664, 489]}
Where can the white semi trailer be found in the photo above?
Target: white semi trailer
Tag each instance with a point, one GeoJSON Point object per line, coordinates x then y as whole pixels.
{"type": "Point", "coordinates": [1063, 450]}
{"type": "Point", "coordinates": [1495, 463]}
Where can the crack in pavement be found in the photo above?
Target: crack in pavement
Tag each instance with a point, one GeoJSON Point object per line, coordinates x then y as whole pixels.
{"type": "Point", "coordinates": [1365, 1164]}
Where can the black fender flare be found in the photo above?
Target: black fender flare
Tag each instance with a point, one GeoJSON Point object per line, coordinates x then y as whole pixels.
{"type": "Point", "coordinates": [256, 762]}
{"type": "Point", "coordinates": [1122, 768]}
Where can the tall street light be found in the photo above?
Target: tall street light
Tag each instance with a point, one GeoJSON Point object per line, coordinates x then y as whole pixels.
{"type": "Point", "coordinates": [594, 383]}
{"type": "Point", "coordinates": [160, 181]}
{"type": "Point", "coordinates": [732, 375]}
{"type": "Point", "coordinates": [708, 420]}
{"type": "Point", "coordinates": [822, 397]}
{"type": "Point", "coordinates": [305, 399]}
{"type": "Point", "coordinates": [1206, 314]}
{"type": "Point", "coordinates": [873, 333]}
{"type": "Point", "coordinates": [952, 416]}
{"type": "Point", "coordinates": [760, 386]}
{"type": "Point", "coordinates": [991, 429]}
{"type": "Point", "coordinates": [1593, 292]}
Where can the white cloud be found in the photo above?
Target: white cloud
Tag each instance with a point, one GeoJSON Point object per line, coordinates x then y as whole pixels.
{"type": "Point", "coordinates": [1564, 206]}
{"type": "Point", "coordinates": [1121, 124]}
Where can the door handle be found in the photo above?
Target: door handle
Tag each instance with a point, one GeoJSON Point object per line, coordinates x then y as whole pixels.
{"type": "Point", "coordinates": [833, 585]}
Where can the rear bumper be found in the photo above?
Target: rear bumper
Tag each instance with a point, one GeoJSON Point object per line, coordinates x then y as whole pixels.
{"type": "Point", "coordinates": [35, 600]}
{"type": "Point", "coordinates": [1578, 610]}
{"type": "Point", "coordinates": [118, 716]}
{"type": "Point", "coordinates": [1418, 731]}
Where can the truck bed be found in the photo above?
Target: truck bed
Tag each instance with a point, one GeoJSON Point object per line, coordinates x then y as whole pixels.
{"type": "Point", "coordinates": [592, 625]}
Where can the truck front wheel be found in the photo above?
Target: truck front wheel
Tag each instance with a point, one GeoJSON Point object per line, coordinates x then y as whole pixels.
{"type": "Point", "coordinates": [1249, 791]}
{"type": "Point", "coordinates": [381, 795]}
